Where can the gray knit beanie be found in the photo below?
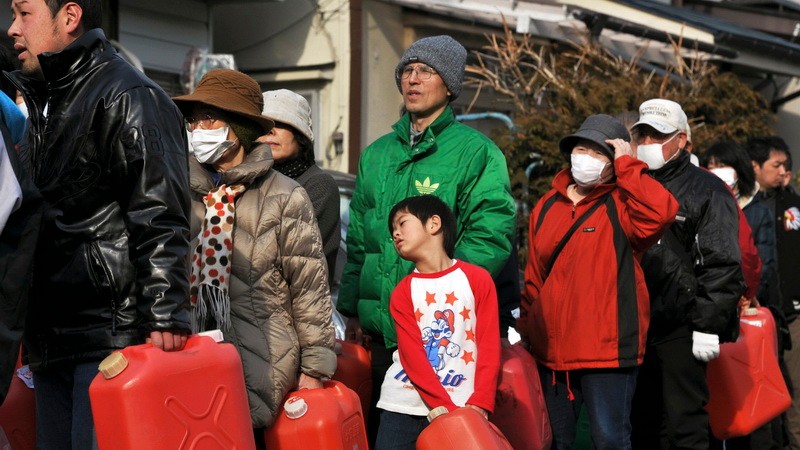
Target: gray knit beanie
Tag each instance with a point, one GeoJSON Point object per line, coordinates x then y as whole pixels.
{"type": "Point", "coordinates": [444, 54]}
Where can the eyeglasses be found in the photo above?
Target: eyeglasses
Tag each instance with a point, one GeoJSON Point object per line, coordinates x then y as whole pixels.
{"type": "Point", "coordinates": [639, 134]}
{"type": "Point", "coordinates": [424, 73]}
{"type": "Point", "coordinates": [203, 121]}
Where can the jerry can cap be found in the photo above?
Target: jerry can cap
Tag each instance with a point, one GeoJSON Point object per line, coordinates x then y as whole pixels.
{"type": "Point", "coordinates": [113, 365]}
{"type": "Point", "coordinates": [436, 412]}
{"type": "Point", "coordinates": [295, 407]}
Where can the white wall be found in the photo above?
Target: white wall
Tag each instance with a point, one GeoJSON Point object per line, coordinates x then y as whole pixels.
{"type": "Point", "coordinates": [384, 42]}
{"type": "Point", "coordinates": [161, 33]}
{"type": "Point", "coordinates": [302, 45]}
{"type": "Point", "coordinates": [158, 32]}
{"type": "Point", "coordinates": [788, 124]}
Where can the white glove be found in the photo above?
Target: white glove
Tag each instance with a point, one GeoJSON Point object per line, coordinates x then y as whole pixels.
{"type": "Point", "coordinates": [705, 347]}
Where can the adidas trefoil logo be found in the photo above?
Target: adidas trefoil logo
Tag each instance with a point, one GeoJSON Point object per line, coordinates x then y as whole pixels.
{"type": "Point", "coordinates": [426, 187]}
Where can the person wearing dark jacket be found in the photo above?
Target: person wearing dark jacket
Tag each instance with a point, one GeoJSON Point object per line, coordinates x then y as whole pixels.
{"type": "Point", "coordinates": [729, 161]}
{"type": "Point", "coordinates": [694, 278]}
{"type": "Point", "coordinates": [107, 150]}
{"type": "Point", "coordinates": [769, 156]}
{"type": "Point", "coordinates": [291, 141]}
{"type": "Point", "coordinates": [17, 246]}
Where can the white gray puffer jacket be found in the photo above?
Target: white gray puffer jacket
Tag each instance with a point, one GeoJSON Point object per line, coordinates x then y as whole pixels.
{"type": "Point", "coordinates": [280, 298]}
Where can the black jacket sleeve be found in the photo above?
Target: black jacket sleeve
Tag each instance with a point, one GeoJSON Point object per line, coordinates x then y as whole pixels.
{"type": "Point", "coordinates": [17, 247]}
{"type": "Point", "coordinates": [155, 196]}
{"type": "Point", "coordinates": [717, 266]}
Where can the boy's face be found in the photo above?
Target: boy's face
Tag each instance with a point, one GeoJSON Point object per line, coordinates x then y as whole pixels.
{"type": "Point", "coordinates": [410, 235]}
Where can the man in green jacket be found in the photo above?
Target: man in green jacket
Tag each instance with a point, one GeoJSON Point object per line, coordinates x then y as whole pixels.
{"type": "Point", "coordinates": [428, 152]}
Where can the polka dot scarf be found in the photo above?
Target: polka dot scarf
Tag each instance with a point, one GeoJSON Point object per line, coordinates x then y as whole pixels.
{"type": "Point", "coordinates": [211, 261]}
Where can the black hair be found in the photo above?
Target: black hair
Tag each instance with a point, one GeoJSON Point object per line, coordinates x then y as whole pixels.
{"type": "Point", "coordinates": [306, 152]}
{"type": "Point", "coordinates": [423, 207]}
{"type": "Point", "coordinates": [731, 154]}
{"type": "Point", "coordinates": [92, 11]}
{"type": "Point", "coordinates": [628, 118]}
{"type": "Point", "coordinates": [759, 148]}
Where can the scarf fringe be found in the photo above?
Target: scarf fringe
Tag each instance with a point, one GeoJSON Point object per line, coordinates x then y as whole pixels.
{"type": "Point", "coordinates": [220, 304]}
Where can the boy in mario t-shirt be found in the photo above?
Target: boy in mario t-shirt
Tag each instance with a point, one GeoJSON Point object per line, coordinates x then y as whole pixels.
{"type": "Point", "coordinates": [445, 313]}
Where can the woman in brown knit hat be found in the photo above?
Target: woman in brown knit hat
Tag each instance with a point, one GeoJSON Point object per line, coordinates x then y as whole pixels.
{"type": "Point", "coordinates": [258, 272]}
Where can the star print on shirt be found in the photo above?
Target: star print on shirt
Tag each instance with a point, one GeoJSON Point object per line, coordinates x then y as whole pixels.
{"type": "Point", "coordinates": [465, 313]}
{"type": "Point", "coordinates": [430, 298]}
{"type": "Point", "coordinates": [451, 298]}
{"type": "Point", "coordinates": [470, 335]}
{"type": "Point", "coordinates": [467, 357]}
{"type": "Point", "coordinates": [418, 314]}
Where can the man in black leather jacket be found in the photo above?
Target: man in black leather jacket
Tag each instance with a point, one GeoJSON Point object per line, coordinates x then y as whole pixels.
{"type": "Point", "coordinates": [107, 150]}
{"type": "Point", "coordinates": [695, 281]}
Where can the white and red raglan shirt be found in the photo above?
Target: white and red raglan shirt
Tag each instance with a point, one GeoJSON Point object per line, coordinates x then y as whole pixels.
{"type": "Point", "coordinates": [448, 341]}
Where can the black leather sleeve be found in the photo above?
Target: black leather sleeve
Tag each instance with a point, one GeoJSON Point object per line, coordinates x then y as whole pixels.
{"type": "Point", "coordinates": [152, 141]}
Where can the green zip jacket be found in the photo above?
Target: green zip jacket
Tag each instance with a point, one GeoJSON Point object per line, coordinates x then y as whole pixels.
{"type": "Point", "coordinates": [450, 160]}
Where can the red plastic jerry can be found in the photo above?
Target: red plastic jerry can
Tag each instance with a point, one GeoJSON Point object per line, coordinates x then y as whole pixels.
{"type": "Point", "coordinates": [354, 370]}
{"type": "Point", "coordinates": [461, 429]}
{"type": "Point", "coordinates": [190, 399]}
{"type": "Point", "coordinates": [745, 385]}
{"type": "Point", "coordinates": [520, 411]}
{"type": "Point", "coordinates": [18, 414]}
{"type": "Point", "coordinates": [328, 418]}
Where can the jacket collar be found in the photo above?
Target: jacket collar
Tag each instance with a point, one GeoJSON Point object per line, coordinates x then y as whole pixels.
{"type": "Point", "coordinates": [257, 163]}
{"type": "Point", "coordinates": [563, 179]}
{"type": "Point", "coordinates": [403, 126]}
{"type": "Point", "coordinates": [59, 68]}
{"type": "Point", "coordinates": [673, 168]}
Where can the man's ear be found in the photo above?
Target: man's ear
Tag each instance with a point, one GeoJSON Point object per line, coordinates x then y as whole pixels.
{"type": "Point", "coordinates": [682, 140]}
{"type": "Point", "coordinates": [71, 15]}
{"type": "Point", "coordinates": [434, 224]}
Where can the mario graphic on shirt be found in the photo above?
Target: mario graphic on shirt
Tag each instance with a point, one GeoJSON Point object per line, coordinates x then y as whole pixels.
{"type": "Point", "coordinates": [436, 339]}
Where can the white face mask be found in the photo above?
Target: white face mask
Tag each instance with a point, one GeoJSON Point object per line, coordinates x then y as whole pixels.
{"type": "Point", "coordinates": [208, 146]}
{"type": "Point", "coordinates": [653, 154]}
{"type": "Point", "coordinates": [726, 174]}
{"type": "Point", "coordinates": [586, 170]}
